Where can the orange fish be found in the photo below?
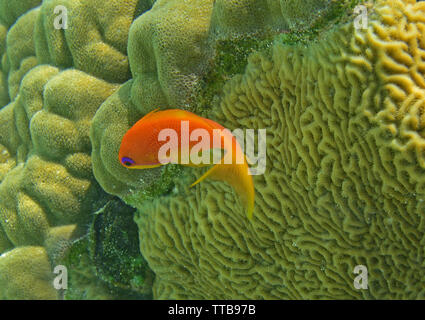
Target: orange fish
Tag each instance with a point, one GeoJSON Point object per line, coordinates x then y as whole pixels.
{"type": "Point", "coordinates": [145, 146]}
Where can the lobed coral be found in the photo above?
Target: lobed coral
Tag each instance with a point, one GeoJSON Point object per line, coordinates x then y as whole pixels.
{"type": "Point", "coordinates": [345, 175]}
{"type": "Point", "coordinates": [17, 280]}
{"type": "Point", "coordinates": [55, 81]}
{"type": "Point", "coordinates": [52, 183]}
{"type": "Point", "coordinates": [94, 42]}
{"type": "Point", "coordinates": [10, 11]}
{"type": "Point", "coordinates": [20, 54]}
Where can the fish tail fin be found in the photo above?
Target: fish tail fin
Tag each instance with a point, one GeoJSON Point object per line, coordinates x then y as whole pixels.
{"type": "Point", "coordinates": [245, 189]}
{"type": "Point", "coordinates": [238, 176]}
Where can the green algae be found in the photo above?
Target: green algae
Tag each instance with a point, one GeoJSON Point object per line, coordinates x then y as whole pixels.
{"type": "Point", "coordinates": [338, 12]}
{"type": "Point", "coordinates": [114, 248]}
{"type": "Point", "coordinates": [231, 55]}
{"type": "Point", "coordinates": [164, 185]}
{"type": "Point", "coordinates": [230, 59]}
{"type": "Point", "coordinates": [106, 263]}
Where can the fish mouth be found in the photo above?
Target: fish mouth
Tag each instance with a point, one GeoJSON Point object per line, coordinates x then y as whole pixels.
{"type": "Point", "coordinates": [130, 164]}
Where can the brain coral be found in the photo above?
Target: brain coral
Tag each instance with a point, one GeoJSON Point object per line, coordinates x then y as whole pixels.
{"type": "Point", "coordinates": [55, 80]}
{"type": "Point", "coordinates": [345, 179]}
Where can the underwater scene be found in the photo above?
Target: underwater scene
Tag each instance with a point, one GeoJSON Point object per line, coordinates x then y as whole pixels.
{"type": "Point", "coordinates": [212, 149]}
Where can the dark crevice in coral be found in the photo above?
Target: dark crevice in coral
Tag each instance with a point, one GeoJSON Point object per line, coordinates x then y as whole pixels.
{"type": "Point", "coordinates": [108, 258]}
{"type": "Point", "coordinates": [142, 7]}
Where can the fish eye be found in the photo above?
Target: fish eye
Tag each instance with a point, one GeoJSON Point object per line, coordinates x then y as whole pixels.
{"type": "Point", "coordinates": [127, 161]}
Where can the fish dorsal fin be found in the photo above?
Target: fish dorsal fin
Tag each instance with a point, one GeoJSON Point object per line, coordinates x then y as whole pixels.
{"type": "Point", "coordinates": [150, 113]}
{"type": "Point", "coordinates": [212, 124]}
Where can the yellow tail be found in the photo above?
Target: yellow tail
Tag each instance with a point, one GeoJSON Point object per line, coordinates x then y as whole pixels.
{"type": "Point", "coordinates": [238, 176]}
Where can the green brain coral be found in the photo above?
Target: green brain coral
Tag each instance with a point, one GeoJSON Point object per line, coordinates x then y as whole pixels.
{"type": "Point", "coordinates": [345, 179]}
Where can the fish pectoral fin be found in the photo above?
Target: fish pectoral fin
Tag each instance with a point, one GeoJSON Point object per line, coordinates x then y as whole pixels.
{"type": "Point", "coordinates": [204, 176]}
{"type": "Point", "coordinates": [205, 158]}
{"type": "Point", "coordinates": [219, 171]}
